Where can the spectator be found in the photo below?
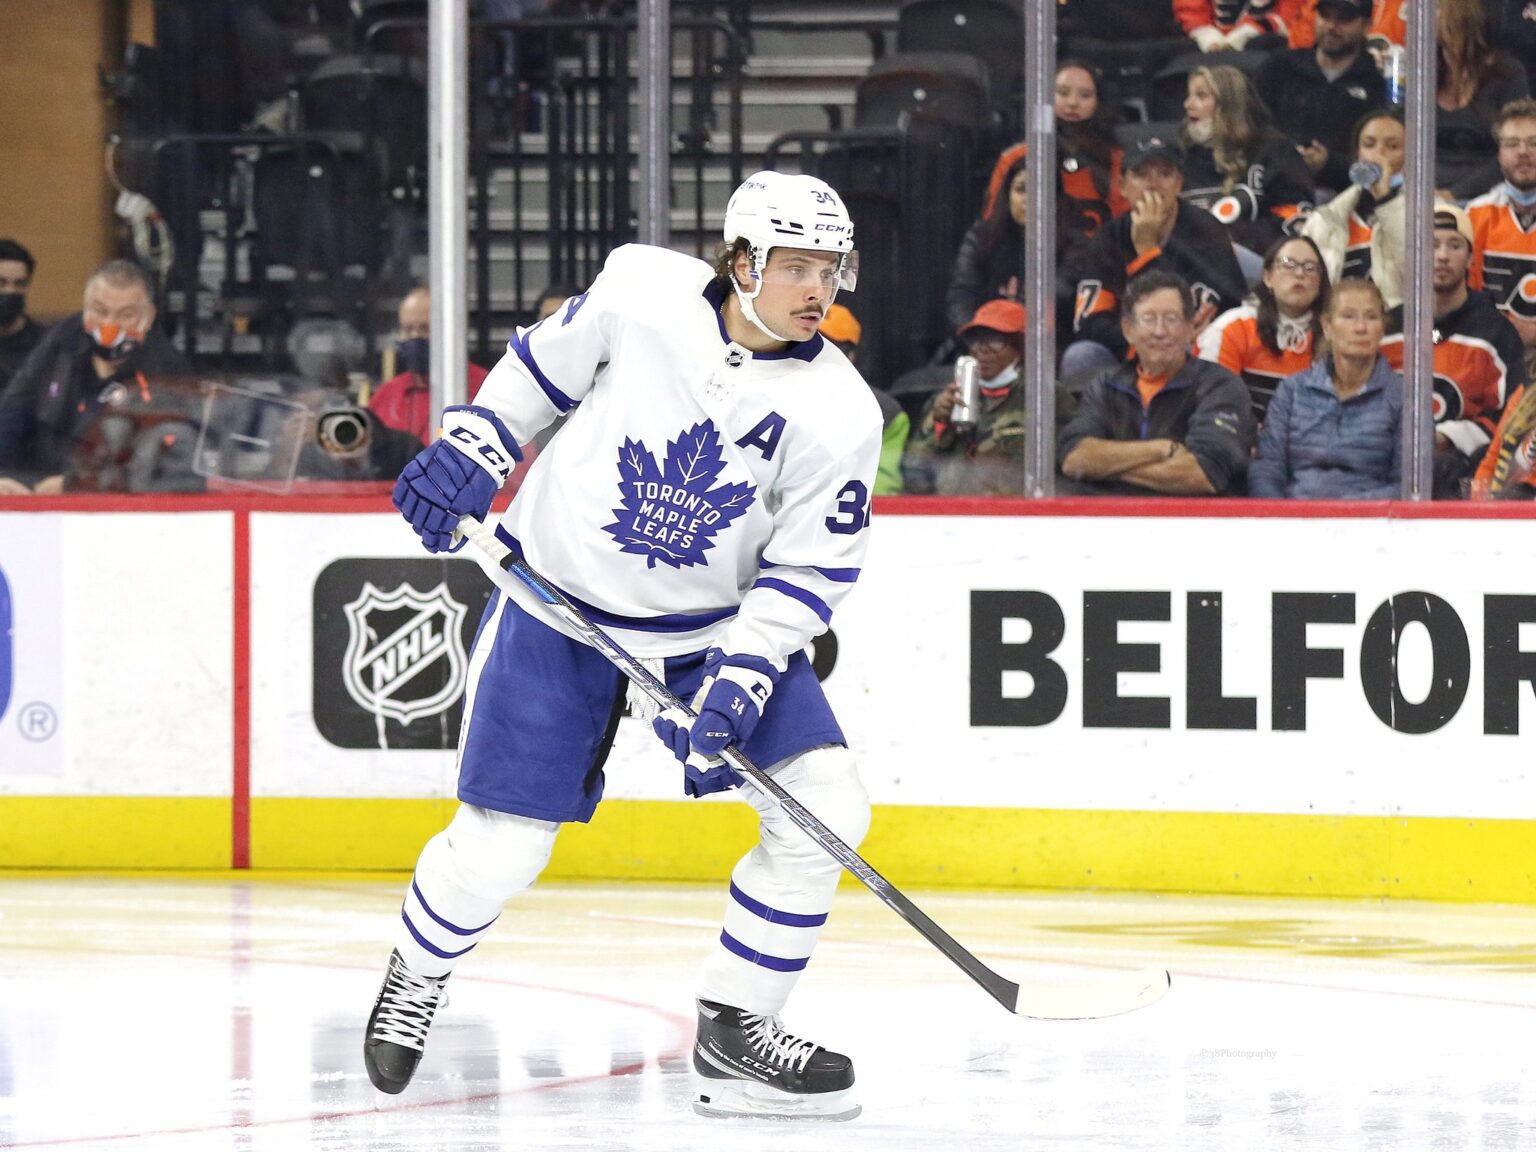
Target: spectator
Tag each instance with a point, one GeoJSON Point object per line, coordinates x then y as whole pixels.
{"type": "Point", "coordinates": [1236, 166]}
{"type": "Point", "coordinates": [1334, 431]}
{"type": "Point", "coordinates": [1478, 360]}
{"type": "Point", "coordinates": [1504, 222]}
{"type": "Point", "coordinates": [988, 457]}
{"type": "Point", "coordinates": [1316, 93]}
{"type": "Point", "coordinates": [1160, 232]}
{"type": "Point", "coordinates": [19, 333]}
{"type": "Point", "coordinates": [1278, 333]}
{"type": "Point", "coordinates": [1473, 80]}
{"type": "Point", "coordinates": [1387, 25]}
{"type": "Point", "coordinates": [1508, 470]}
{"type": "Point", "coordinates": [1087, 156]}
{"type": "Point", "coordinates": [991, 254]}
{"type": "Point", "coordinates": [82, 368]}
{"type": "Point", "coordinates": [405, 400]}
{"type": "Point", "coordinates": [1230, 25]}
{"type": "Point", "coordinates": [1127, 43]}
{"type": "Point", "coordinates": [550, 299]}
{"type": "Point", "coordinates": [1361, 231]}
{"type": "Point", "coordinates": [842, 327]}
{"type": "Point", "coordinates": [1164, 422]}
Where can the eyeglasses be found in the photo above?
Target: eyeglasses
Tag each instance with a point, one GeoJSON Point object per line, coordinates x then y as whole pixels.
{"type": "Point", "coordinates": [1305, 267]}
{"type": "Point", "coordinates": [1166, 322]}
{"type": "Point", "coordinates": [1513, 142]}
{"type": "Point", "coordinates": [987, 341]}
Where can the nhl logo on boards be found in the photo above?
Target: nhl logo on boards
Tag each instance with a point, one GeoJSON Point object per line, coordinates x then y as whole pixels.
{"type": "Point", "coordinates": [393, 638]}
{"type": "Point", "coordinates": [390, 644]}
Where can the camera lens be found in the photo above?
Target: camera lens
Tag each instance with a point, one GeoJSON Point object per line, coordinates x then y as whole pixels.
{"type": "Point", "coordinates": [342, 431]}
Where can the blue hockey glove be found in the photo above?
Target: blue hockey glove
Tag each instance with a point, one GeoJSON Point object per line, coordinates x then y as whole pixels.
{"type": "Point", "coordinates": [456, 476]}
{"type": "Point", "coordinates": [728, 706]}
{"type": "Point", "coordinates": [701, 774]}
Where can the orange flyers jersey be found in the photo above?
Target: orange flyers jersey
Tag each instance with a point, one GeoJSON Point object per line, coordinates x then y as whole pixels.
{"type": "Point", "coordinates": [1504, 263]}
{"type": "Point", "coordinates": [1232, 340]}
{"type": "Point", "coordinates": [1478, 362]}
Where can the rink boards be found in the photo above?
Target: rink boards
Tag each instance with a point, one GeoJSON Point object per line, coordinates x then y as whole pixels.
{"type": "Point", "coordinates": [1269, 699]}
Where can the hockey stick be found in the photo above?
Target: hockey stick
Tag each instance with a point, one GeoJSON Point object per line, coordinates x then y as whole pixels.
{"type": "Point", "coordinates": [1075, 1000]}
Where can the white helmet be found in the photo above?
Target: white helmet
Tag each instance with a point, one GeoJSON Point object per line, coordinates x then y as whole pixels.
{"type": "Point", "coordinates": [777, 210]}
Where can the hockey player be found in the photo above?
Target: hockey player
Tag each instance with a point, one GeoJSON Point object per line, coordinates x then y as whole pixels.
{"type": "Point", "coordinates": [707, 503]}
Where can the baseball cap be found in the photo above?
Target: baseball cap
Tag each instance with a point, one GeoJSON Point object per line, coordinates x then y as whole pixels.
{"type": "Point", "coordinates": [999, 315]}
{"type": "Point", "coordinates": [1452, 216]}
{"type": "Point", "coordinates": [1353, 9]}
{"type": "Point", "coordinates": [841, 326]}
{"type": "Point", "coordinates": [1146, 148]}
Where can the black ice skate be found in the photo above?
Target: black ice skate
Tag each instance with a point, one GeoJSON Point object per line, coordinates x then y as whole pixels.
{"type": "Point", "coordinates": [397, 1028]}
{"type": "Point", "coordinates": [751, 1067]}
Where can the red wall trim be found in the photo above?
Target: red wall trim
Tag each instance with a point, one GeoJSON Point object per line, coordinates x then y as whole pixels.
{"type": "Point", "coordinates": [240, 786]}
{"type": "Point", "coordinates": [374, 498]}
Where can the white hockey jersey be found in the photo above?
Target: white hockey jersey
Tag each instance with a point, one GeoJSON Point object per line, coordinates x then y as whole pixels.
{"type": "Point", "coordinates": [699, 494]}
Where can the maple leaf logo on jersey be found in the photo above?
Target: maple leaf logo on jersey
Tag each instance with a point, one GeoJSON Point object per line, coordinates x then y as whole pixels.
{"type": "Point", "coordinates": [670, 513]}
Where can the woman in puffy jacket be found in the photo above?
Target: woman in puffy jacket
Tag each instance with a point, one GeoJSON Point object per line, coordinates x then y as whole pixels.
{"type": "Point", "coordinates": [1332, 431]}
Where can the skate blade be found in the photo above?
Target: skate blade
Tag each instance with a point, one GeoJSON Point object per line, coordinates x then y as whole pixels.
{"type": "Point", "coordinates": [744, 1100]}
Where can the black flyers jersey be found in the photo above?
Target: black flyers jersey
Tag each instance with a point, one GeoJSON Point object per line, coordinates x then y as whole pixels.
{"type": "Point", "coordinates": [1479, 361]}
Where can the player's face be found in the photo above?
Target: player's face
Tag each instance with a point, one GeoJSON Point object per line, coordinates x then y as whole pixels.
{"type": "Point", "coordinates": [1354, 322]}
{"type": "Point", "coordinates": [798, 287]}
{"type": "Point", "coordinates": [1200, 103]}
{"type": "Point", "coordinates": [1018, 198]}
{"type": "Point", "coordinates": [1381, 142]}
{"type": "Point", "coordinates": [1453, 256]}
{"type": "Point", "coordinates": [1077, 97]}
{"type": "Point", "coordinates": [1295, 278]}
{"type": "Point", "coordinates": [1160, 331]}
{"type": "Point", "coordinates": [1517, 152]}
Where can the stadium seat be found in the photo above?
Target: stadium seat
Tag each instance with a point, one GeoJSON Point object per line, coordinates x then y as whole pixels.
{"type": "Point", "coordinates": [949, 86]}
{"type": "Point", "coordinates": [991, 30]}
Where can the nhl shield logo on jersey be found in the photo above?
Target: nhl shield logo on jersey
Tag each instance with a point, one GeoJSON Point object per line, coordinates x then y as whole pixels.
{"type": "Point", "coordinates": [396, 637]}
{"type": "Point", "coordinates": [670, 513]}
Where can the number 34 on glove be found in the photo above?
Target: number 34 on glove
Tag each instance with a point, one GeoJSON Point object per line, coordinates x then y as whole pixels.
{"type": "Point", "coordinates": [727, 707]}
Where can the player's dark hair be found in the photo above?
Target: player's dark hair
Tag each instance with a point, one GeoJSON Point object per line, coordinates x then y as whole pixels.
{"type": "Point", "coordinates": [1268, 309]}
{"type": "Point", "coordinates": [10, 250]}
{"type": "Point", "coordinates": [1156, 281]}
{"type": "Point", "coordinates": [725, 257]}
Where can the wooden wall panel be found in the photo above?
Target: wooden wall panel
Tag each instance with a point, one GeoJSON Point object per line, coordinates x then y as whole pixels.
{"type": "Point", "coordinates": [54, 195]}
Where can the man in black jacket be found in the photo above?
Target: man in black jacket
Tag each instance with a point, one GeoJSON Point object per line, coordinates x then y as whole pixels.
{"type": "Point", "coordinates": [85, 366]}
{"type": "Point", "coordinates": [1163, 423]}
{"type": "Point", "coordinates": [19, 333]}
{"type": "Point", "coordinates": [1316, 95]}
{"type": "Point", "coordinates": [1160, 232]}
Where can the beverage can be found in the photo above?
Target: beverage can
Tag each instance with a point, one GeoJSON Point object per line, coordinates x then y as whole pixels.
{"type": "Point", "coordinates": [968, 381]}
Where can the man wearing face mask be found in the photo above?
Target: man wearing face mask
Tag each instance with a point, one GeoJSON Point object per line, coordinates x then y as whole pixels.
{"type": "Point", "coordinates": [19, 333]}
{"type": "Point", "coordinates": [83, 366]}
{"type": "Point", "coordinates": [405, 401]}
{"type": "Point", "coordinates": [985, 455]}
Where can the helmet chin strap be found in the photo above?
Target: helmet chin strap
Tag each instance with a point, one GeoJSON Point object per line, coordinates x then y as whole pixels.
{"type": "Point", "coordinates": [751, 312]}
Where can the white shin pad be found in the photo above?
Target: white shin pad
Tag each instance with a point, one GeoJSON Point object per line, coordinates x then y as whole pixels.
{"type": "Point", "coordinates": [464, 876]}
{"type": "Point", "coordinates": [782, 890]}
